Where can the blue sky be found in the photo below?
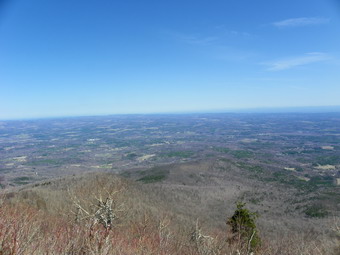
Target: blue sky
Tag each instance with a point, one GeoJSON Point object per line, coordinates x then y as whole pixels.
{"type": "Point", "coordinates": [72, 57]}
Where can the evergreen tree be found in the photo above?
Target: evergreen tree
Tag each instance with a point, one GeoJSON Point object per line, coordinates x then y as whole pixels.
{"type": "Point", "coordinates": [243, 228]}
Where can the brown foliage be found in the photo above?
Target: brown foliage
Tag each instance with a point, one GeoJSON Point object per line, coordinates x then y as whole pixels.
{"type": "Point", "coordinates": [27, 228]}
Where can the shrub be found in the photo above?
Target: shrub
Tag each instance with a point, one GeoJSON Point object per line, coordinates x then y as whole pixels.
{"type": "Point", "coordinates": [316, 211]}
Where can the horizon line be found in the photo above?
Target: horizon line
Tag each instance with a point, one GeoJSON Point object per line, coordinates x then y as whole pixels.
{"type": "Point", "coordinates": [283, 109]}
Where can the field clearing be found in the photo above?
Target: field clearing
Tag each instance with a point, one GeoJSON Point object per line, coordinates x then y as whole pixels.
{"type": "Point", "coordinates": [290, 169]}
{"type": "Point", "coordinates": [327, 147]}
{"type": "Point", "coordinates": [145, 157]}
{"type": "Point", "coordinates": [326, 167]}
{"type": "Point", "coordinates": [20, 159]}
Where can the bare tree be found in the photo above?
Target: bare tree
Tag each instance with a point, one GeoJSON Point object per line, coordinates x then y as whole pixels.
{"type": "Point", "coordinates": [102, 209]}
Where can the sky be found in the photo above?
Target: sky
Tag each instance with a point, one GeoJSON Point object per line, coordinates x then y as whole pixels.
{"type": "Point", "coordinates": [98, 57]}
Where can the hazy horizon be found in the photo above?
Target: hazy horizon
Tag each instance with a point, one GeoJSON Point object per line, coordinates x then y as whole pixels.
{"type": "Point", "coordinates": [266, 110]}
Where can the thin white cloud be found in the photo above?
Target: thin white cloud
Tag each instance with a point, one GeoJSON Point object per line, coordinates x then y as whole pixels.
{"type": "Point", "coordinates": [301, 22]}
{"type": "Point", "coordinates": [293, 62]}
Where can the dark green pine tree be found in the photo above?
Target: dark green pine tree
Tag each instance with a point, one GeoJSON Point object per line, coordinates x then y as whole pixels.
{"type": "Point", "coordinates": [243, 228]}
